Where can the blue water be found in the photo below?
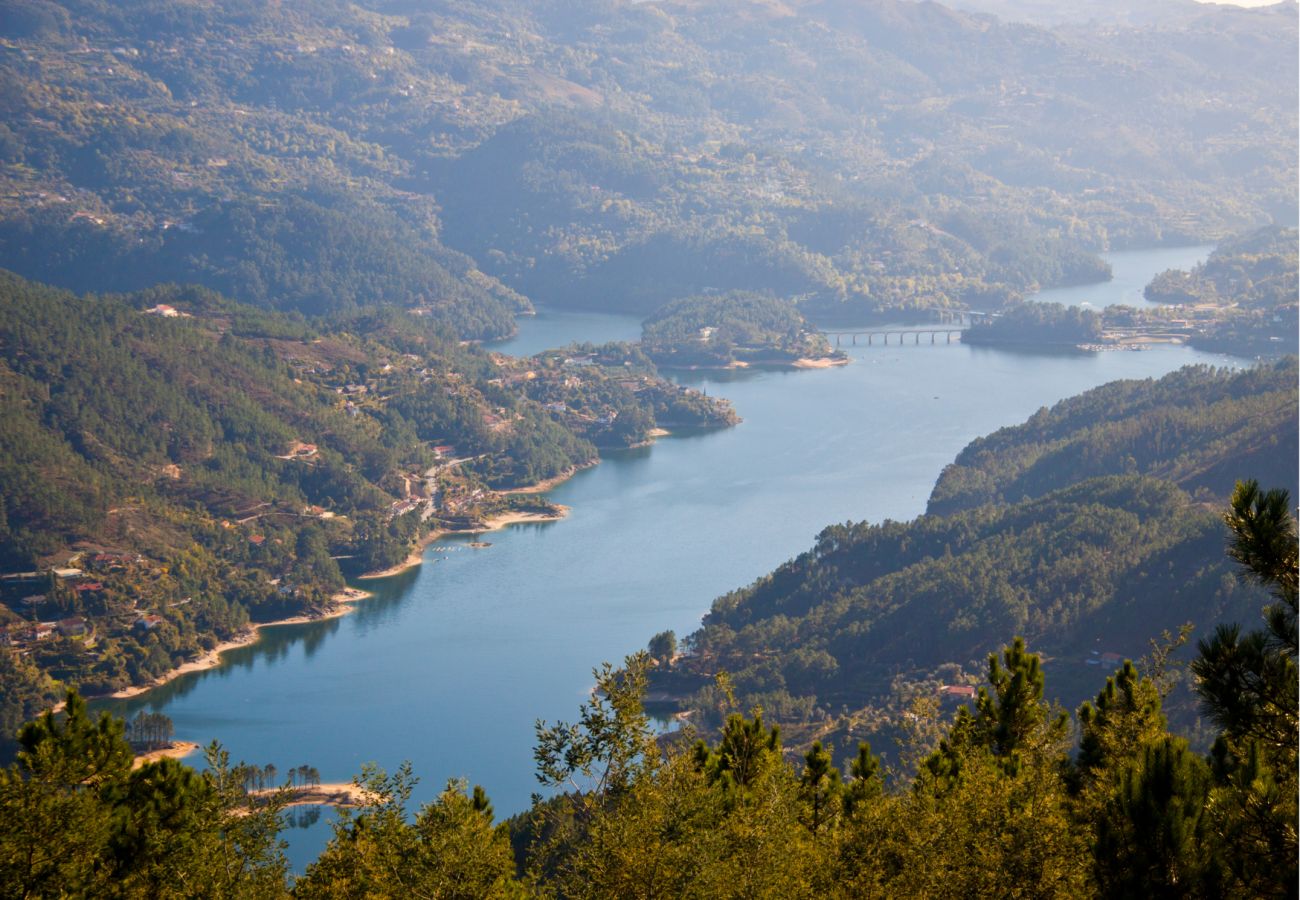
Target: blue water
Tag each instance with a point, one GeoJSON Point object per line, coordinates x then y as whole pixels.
{"type": "Point", "coordinates": [1131, 271]}
{"type": "Point", "coordinates": [552, 328]}
{"type": "Point", "coordinates": [451, 664]}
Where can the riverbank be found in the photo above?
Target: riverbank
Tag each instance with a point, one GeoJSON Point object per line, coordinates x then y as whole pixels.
{"type": "Point", "coordinates": [176, 750]}
{"type": "Point", "coordinates": [820, 362]}
{"type": "Point", "coordinates": [491, 523]}
{"type": "Point", "coordinates": [517, 517]}
{"type": "Point", "coordinates": [547, 484]}
{"type": "Point", "coordinates": [337, 794]}
{"type": "Point", "coordinates": [808, 362]}
{"type": "Point", "coordinates": [413, 559]}
{"type": "Point", "coordinates": [343, 601]}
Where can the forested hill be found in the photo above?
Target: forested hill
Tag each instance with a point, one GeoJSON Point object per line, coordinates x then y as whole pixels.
{"type": "Point", "coordinates": [1199, 427]}
{"type": "Point", "coordinates": [1255, 271]}
{"type": "Point", "coordinates": [1088, 530]}
{"type": "Point", "coordinates": [173, 464]}
{"type": "Point", "coordinates": [732, 329]}
{"type": "Point", "coordinates": [324, 156]}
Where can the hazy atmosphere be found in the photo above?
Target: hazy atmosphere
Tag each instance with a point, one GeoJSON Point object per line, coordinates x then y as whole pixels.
{"type": "Point", "coordinates": [648, 448]}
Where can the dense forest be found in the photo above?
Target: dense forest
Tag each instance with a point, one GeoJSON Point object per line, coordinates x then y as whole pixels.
{"type": "Point", "coordinates": [174, 464]}
{"type": "Point", "coordinates": [1247, 290]}
{"type": "Point", "coordinates": [1255, 271]}
{"type": "Point", "coordinates": [1000, 800]}
{"type": "Point", "coordinates": [1088, 530]}
{"type": "Point", "coordinates": [1195, 427]}
{"type": "Point", "coordinates": [1039, 325]}
{"type": "Point", "coordinates": [465, 158]}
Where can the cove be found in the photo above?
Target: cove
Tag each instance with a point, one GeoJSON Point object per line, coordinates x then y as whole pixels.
{"type": "Point", "coordinates": [450, 664]}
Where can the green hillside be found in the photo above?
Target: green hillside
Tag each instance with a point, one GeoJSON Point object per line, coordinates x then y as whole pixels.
{"type": "Point", "coordinates": [1089, 530]}
{"type": "Point", "coordinates": [192, 464]}
{"type": "Point", "coordinates": [1197, 427]}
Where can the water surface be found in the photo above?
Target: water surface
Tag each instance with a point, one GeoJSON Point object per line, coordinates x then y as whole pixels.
{"type": "Point", "coordinates": [1131, 271]}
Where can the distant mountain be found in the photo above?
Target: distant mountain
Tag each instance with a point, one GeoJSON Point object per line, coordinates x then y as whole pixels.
{"type": "Point", "coordinates": [462, 158]}
{"type": "Point", "coordinates": [1051, 13]}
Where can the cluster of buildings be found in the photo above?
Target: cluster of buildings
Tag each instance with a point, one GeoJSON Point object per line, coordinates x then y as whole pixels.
{"type": "Point", "coordinates": [27, 631]}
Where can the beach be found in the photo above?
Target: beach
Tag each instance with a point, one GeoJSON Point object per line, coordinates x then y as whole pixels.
{"type": "Point", "coordinates": [177, 750]}
{"type": "Point", "coordinates": [494, 523]}
{"type": "Point", "coordinates": [823, 362]}
{"type": "Point", "coordinates": [346, 597]}
{"type": "Point", "coordinates": [413, 559]}
{"type": "Point", "coordinates": [336, 794]}
{"type": "Point", "coordinates": [491, 523]}
{"type": "Point", "coordinates": [546, 484]}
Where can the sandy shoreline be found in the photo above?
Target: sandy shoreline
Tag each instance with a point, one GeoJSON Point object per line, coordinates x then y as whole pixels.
{"type": "Point", "coordinates": [495, 523]}
{"type": "Point", "coordinates": [492, 523]}
{"type": "Point", "coordinates": [822, 362]}
{"type": "Point", "coordinates": [343, 601]}
{"type": "Point", "coordinates": [337, 794]}
{"type": "Point", "coordinates": [416, 556]}
{"type": "Point", "coordinates": [413, 559]}
{"type": "Point", "coordinates": [177, 750]}
{"type": "Point", "coordinates": [545, 485]}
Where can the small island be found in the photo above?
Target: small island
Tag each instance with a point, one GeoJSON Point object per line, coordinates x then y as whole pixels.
{"type": "Point", "coordinates": [1038, 325]}
{"type": "Point", "coordinates": [735, 330]}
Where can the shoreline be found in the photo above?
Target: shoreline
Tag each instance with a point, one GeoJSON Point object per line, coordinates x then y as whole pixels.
{"type": "Point", "coordinates": [413, 559]}
{"type": "Point", "coordinates": [492, 523]}
{"type": "Point", "coordinates": [337, 794]}
{"type": "Point", "coordinates": [515, 517]}
{"type": "Point", "coordinates": [547, 484]}
{"type": "Point", "coordinates": [177, 750]}
{"type": "Point", "coordinates": [803, 362]}
{"type": "Point", "coordinates": [343, 601]}
{"type": "Point", "coordinates": [820, 362]}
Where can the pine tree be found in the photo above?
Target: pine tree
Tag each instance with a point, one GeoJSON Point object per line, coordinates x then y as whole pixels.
{"type": "Point", "coordinates": [1248, 684]}
{"type": "Point", "coordinates": [747, 752]}
{"type": "Point", "coordinates": [1010, 720]}
{"type": "Point", "coordinates": [1126, 715]}
{"type": "Point", "coordinates": [1153, 838]}
{"type": "Point", "coordinates": [867, 784]}
{"type": "Point", "coordinates": [820, 787]}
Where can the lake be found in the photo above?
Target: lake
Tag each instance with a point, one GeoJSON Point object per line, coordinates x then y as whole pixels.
{"type": "Point", "coordinates": [450, 664]}
{"type": "Point", "coordinates": [1131, 271]}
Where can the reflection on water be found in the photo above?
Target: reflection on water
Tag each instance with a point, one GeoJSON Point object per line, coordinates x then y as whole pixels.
{"type": "Point", "coordinates": [302, 816]}
{"type": "Point", "coordinates": [276, 643]}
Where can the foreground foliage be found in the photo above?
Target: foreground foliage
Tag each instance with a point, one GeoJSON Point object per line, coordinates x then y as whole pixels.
{"type": "Point", "coordinates": [998, 805]}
